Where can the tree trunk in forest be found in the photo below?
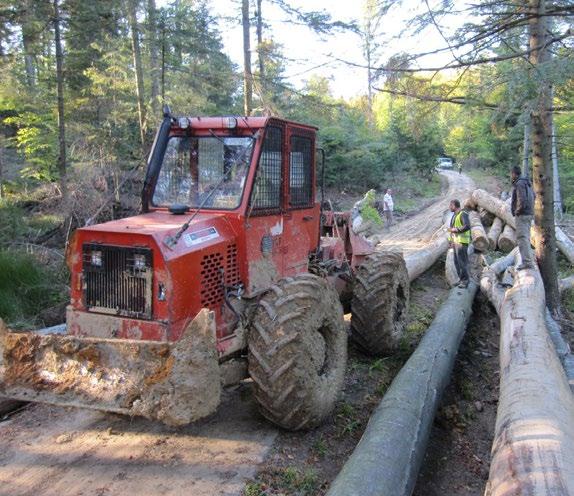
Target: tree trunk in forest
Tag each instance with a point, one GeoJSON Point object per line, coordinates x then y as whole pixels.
{"type": "Point", "coordinates": [62, 166]}
{"type": "Point", "coordinates": [507, 239]}
{"type": "Point", "coordinates": [391, 451]}
{"type": "Point", "coordinates": [1, 168]}
{"type": "Point", "coordinates": [494, 233]}
{"type": "Point", "coordinates": [138, 69]}
{"type": "Point", "coordinates": [544, 230]}
{"type": "Point", "coordinates": [533, 448]}
{"type": "Point", "coordinates": [526, 149]}
{"type": "Point", "coordinates": [477, 232]}
{"type": "Point", "coordinates": [556, 175]}
{"type": "Point", "coordinates": [260, 47]}
{"type": "Point", "coordinates": [154, 56]}
{"type": "Point", "coordinates": [247, 75]}
{"type": "Point", "coordinates": [27, 42]}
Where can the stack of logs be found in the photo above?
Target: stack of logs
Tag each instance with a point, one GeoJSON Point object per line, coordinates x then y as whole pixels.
{"type": "Point", "coordinates": [487, 211]}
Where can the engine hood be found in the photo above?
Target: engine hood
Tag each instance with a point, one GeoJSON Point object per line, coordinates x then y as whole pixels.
{"type": "Point", "coordinates": [205, 229]}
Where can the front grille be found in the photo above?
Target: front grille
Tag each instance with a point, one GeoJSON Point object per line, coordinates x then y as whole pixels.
{"type": "Point", "coordinates": [118, 280]}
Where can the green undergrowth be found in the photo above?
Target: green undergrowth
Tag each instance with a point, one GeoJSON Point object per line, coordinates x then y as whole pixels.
{"type": "Point", "coordinates": [27, 288]}
{"type": "Point", "coordinates": [410, 190]}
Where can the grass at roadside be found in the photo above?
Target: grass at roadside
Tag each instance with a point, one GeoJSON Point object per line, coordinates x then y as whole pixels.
{"type": "Point", "coordinates": [27, 287]}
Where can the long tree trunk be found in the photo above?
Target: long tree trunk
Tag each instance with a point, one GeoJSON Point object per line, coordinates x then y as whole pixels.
{"type": "Point", "coordinates": [60, 91]}
{"type": "Point", "coordinates": [477, 232]}
{"type": "Point", "coordinates": [153, 56]}
{"type": "Point", "coordinates": [27, 43]}
{"type": "Point", "coordinates": [260, 47]}
{"type": "Point", "coordinates": [526, 149]}
{"type": "Point", "coordinates": [556, 175]}
{"type": "Point", "coordinates": [387, 459]}
{"type": "Point", "coordinates": [533, 448]}
{"type": "Point", "coordinates": [138, 69]}
{"type": "Point", "coordinates": [247, 75]}
{"type": "Point", "coordinates": [544, 229]}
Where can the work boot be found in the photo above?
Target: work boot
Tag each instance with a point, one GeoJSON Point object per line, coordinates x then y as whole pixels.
{"type": "Point", "coordinates": [463, 284]}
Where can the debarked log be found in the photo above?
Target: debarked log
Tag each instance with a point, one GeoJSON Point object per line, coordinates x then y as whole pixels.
{"type": "Point", "coordinates": [419, 261]}
{"type": "Point", "coordinates": [533, 448]}
{"type": "Point", "coordinates": [387, 459]}
{"type": "Point", "coordinates": [507, 239]}
{"type": "Point", "coordinates": [477, 232]}
{"type": "Point", "coordinates": [502, 209]}
{"type": "Point", "coordinates": [494, 233]}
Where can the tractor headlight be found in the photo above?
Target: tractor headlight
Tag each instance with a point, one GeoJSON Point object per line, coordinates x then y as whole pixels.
{"type": "Point", "coordinates": [96, 258]}
{"type": "Point", "coordinates": [140, 262]}
{"type": "Point", "coordinates": [230, 122]}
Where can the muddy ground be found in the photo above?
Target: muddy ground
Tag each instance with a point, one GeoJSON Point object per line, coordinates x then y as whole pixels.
{"type": "Point", "coordinates": [56, 451]}
{"type": "Point", "coordinates": [457, 458]}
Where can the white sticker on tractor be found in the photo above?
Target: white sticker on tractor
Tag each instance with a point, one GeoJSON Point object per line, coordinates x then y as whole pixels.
{"type": "Point", "coordinates": [198, 237]}
{"type": "Point", "coordinates": [277, 229]}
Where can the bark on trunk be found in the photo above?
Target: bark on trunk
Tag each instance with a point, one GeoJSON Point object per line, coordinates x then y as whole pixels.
{"type": "Point", "coordinates": [387, 459]}
{"type": "Point", "coordinates": [507, 240]}
{"type": "Point", "coordinates": [541, 157]}
{"type": "Point", "coordinates": [60, 91]}
{"type": "Point", "coordinates": [260, 48]}
{"type": "Point", "coordinates": [533, 449]}
{"type": "Point", "coordinates": [421, 260]}
{"type": "Point", "coordinates": [247, 75]}
{"type": "Point", "coordinates": [153, 56]}
{"type": "Point", "coordinates": [477, 232]}
{"type": "Point", "coordinates": [138, 69]}
{"type": "Point", "coordinates": [526, 149]}
{"type": "Point", "coordinates": [494, 233]}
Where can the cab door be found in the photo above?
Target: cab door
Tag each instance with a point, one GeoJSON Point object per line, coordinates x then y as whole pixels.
{"type": "Point", "coordinates": [301, 218]}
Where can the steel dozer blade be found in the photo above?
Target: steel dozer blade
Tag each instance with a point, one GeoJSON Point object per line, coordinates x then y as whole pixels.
{"type": "Point", "coordinates": [175, 383]}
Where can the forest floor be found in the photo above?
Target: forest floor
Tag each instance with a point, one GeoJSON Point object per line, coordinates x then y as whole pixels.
{"type": "Point", "coordinates": [50, 450]}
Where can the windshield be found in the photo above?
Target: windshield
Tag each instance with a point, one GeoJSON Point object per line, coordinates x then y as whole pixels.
{"type": "Point", "coordinates": [195, 168]}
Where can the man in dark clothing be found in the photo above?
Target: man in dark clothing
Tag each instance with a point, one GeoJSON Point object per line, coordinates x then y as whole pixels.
{"type": "Point", "coordinates": [522, 206]}
{"type": "Point", "coordinates": [460, 239]}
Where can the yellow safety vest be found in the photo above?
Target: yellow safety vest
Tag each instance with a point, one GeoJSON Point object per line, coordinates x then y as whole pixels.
{"type": "Point", "coordinates": [462, 238]}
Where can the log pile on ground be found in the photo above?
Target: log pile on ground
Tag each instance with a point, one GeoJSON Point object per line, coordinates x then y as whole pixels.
{"type": "Point", "coordinates": [494, 233]}
{"type": "Point", "coordinates": [477, 232]}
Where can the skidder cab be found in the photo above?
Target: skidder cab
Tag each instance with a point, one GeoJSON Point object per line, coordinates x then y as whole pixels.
{"type": "Point", "coordinates": [223, 276]}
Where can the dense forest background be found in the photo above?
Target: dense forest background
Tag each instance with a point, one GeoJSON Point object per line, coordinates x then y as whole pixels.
{"type": "Point", "coordinates": [82, 85]}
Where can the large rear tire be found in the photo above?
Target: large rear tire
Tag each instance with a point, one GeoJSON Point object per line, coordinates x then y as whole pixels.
{"type": "Point", "coordinates": [381, 293]}
{"type": "Point", "coordinates": [298, 351]}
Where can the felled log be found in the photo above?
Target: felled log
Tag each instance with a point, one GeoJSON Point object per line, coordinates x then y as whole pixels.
{"type": "Point", "coordinates": [507, 239]}
{"type": "Point", "coordinates": [421, 260]}
{"type": "Point", "coordinates": [477, 232]}
{"type": "Point", "coordinates": [565, 244]}
{"type": "Point", "coordinates": [469, 204]}
{"type": "Point", "coordinates": [388, 458]}
{"type": "Point", "coordinates": [486, 217]}
{"type": "Point", "coordinates": [494, 233]}
{"type": "Point", "coordinates": [533, 449]}
{"type": "Point", "coordinates": [502, 209]}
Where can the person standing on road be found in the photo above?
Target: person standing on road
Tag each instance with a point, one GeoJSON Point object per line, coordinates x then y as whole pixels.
{"type": "Point", "coordinates": [388, 207]}
{"type": "Point", "coordinates": [459, 239]}
{"type": "Point", "coordinates": [459, 167]}
{"type": "Point", "coordinates": [522, 207]}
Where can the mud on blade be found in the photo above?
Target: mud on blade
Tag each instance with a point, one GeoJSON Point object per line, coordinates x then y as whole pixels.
{"type": "Point", "coordinates": [175, 383]}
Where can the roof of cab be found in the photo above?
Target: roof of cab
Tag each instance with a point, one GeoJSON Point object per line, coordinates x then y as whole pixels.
{"type": "Point", "coordinates": [242, 122]}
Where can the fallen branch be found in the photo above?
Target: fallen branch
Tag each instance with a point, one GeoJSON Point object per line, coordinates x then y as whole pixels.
{"type": "Point", "coordinates": [388, 458]}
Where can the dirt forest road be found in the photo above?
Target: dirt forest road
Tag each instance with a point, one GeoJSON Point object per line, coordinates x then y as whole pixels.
{"type": "Point", "coordinates": [426, 225]}
{"type": "Point", "coordinates": [52, 451]}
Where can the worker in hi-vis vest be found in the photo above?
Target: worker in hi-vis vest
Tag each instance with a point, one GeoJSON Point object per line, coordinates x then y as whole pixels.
{"type": "Point", "coordinates": [459, 239]}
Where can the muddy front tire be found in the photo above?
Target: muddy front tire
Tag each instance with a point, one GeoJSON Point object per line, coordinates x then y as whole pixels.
{"type": "Point", "coordinates": [298, 351]}
{"type": "Point", "coordinates": [381, 293]}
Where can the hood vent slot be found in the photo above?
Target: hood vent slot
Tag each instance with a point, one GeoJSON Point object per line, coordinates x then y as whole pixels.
{"type": "Point", "coordinates": [213, 266]}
